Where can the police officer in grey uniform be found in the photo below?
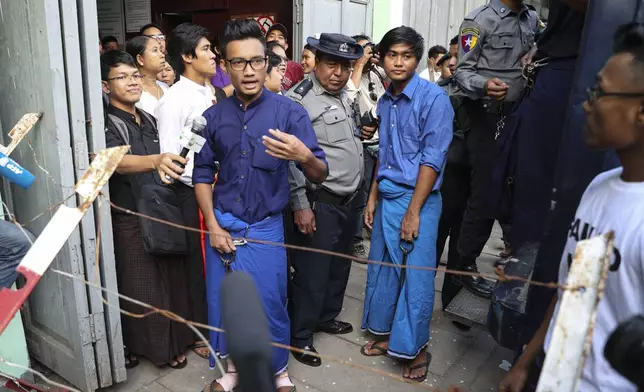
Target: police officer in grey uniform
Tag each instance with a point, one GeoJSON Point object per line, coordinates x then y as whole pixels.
{"type": "Point", "coordinates": [325, 215]}
{"type": "Point", "coordinates": [493, 38]}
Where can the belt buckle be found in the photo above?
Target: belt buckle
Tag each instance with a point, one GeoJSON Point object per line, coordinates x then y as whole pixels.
{"type": "Point", "coordinates": [242, 241]}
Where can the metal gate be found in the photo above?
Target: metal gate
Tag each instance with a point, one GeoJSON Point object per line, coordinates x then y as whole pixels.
{"type": "Point", "coordinates": [50, 60]}
{"type": "Point", "coordinates": [311, 17]}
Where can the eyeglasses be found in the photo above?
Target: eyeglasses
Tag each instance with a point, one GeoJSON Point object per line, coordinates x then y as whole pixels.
{"type": "Point", "coordinates": [134, 77]}
{"type": "Point", "coordinates": [159, 37]}
{"type": "Point", "coordinates": [256, 63]}
{"type": "Point", "coordinates": [596, 92]}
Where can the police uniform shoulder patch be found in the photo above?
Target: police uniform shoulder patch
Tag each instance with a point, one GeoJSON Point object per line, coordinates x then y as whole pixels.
{"type": "Point", "coordinates": [303, 88]}
{"type": "Point", "coordinates": [469, 38]}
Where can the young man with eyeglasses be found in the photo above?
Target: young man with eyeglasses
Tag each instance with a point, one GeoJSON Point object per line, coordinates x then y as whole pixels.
{"type": "Point", "coordinates": [365, 87]}
{"type": "Point", "coordinates": [159, 281]}
{"type": "Point", "coordinates": [612, 202]}
{"type": "Point", "coordinates": [153, 30]}
{"type": "Point", "coordinates": [191, 56]}
{"type": "Point", "coordinates": [325, 214]}
{"type": "Point", "coordinates": [294, 71]}
{"type": "Point", "coordinates": [253, 135]}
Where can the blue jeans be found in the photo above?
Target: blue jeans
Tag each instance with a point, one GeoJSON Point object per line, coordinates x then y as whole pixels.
{"type": "Point", "coordinates": [370, 158]}
{"type": "Point", "coordinates": [14, 244]}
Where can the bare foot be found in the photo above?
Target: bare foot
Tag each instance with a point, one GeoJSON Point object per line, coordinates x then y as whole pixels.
{"type": "Point", "coordinates": [178, 362]}
{"type": "Point", "coordinates": [375, 348]}
{"type": "Point", "coordinates": [417, 369]}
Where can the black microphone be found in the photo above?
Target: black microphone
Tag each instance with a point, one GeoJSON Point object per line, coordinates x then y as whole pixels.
{"type": "Point", "coordinates": [247, 336]}
{"type": "Point", "coordinates": [194, 143]}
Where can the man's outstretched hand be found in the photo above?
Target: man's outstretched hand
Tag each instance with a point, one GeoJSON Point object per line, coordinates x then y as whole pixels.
{"type": "Point", "coordinates": [285, 146]}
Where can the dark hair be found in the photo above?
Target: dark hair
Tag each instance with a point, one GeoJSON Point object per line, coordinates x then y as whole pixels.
{"type": "Point", "coordinates": [136, 46]}
{"type": "Point", "coordinates": [361, 37]}
{"type": "Point", "coordinates": [402, 35]}
{"type": "Point", "coordinates": [240, 30]}
{"type": "Point", "coordinates": [310, 48]}
{"type": "Point", "coordinates": [629, 38]}
{"type": "Point", "coordinates": [273, 61]}
{"type": "Point", "coordinates": [443, 59]}
{"type": "Point", "coordinates": [436, 50]}
{"type": "Point", "coordinates": [184, 40]}
{"type": "Point", "coordinates": [453, 41]}
{"type": "Point", "coordinates": [109, 38]}
{"type": "Point", "coordinates": [271, 45]}
{"type": "Point", "coordinates": [113, 59]}
{"type": "Point", "coordinates": [149, 26]}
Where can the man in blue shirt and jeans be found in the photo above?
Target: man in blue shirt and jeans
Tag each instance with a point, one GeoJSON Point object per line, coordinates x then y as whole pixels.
{"type": "Point", "coordinates": [253, 135]}
{"type": "Point", "coordinates": [404, 206]}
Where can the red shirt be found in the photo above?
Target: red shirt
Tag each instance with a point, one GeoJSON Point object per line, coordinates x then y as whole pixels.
{"type": "Point", "coordinates": [294, 75]}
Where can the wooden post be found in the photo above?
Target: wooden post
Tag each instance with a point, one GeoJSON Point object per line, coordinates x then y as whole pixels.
{"type": "Point", "coordinates": [58, 230]}
{"type": "Point", "coordinates": [573, 330]}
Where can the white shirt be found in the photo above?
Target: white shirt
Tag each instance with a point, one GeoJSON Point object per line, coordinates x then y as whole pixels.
{"type": "Point", "coordinates": [610, 204]}
{"type": "Point", "coordinates": [432, 77]}
{"type": "Point", "coordinates": [175, 113]}
{"type": "Point", "coordinates": [148, 102]}
{"type": "Point", "coordinates": [364, 96]}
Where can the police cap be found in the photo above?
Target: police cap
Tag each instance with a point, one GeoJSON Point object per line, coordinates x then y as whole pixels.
{"type": "Point", "coordinates": [337, 45]}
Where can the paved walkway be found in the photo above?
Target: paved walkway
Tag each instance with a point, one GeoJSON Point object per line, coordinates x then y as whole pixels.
{"type": "Point", "coordinates": [469, 360]}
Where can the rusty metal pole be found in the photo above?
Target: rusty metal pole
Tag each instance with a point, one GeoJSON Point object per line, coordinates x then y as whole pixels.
{"type": "Point", "coordinates": [573, 329]}
{"type": "Point", "coordinates": [58, 230]}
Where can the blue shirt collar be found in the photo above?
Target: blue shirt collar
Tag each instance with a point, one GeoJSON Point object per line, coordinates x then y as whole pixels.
{"type": "Point", "coordinates": [259, 100]}
{"type": "Point", "coordinates": [409, 89]}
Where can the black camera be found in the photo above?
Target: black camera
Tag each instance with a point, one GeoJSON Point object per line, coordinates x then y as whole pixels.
{"type": "Point", "coordinates": [624, 350]}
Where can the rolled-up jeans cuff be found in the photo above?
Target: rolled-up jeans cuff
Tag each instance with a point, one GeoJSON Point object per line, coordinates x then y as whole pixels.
{"type": "Point", "coordinates": [14, 244]}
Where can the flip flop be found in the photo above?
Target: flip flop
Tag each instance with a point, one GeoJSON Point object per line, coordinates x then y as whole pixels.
{"type": "Point", "coordinates": [195, 347]}
{"type": "Point", "coordinates": [179, 365]}
{"type": "Point", "coordinates": [428, 360]}
{"type": "Point", "coordinates": [131, 361]}
{"type": "Point", "coordinates": [381, 351]}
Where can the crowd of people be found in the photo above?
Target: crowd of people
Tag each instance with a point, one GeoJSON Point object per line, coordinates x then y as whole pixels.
{"type": "Point", "coordinates": [352, 142]}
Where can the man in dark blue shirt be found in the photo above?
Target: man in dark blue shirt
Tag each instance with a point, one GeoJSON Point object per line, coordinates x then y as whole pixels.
{"type": "Point", "coordinates": [253, 135]}
{"type": "Point", "coordinates": [416, 126]}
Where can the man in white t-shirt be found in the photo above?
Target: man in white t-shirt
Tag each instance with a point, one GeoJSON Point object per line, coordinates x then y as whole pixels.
{"type": "Point", "coordinates": [190, 54]}
{"type": "Point", "coordinates": [613, 201]}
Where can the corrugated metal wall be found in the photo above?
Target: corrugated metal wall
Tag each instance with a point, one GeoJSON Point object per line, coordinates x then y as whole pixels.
{"type": "Point", "coordinates": [437, 20]}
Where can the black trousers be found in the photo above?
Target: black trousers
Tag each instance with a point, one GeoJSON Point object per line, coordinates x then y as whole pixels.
{"type": "Point", "coordinates": [319, 281]}
{"type": "Point", "coordinates": [194, 269]}
{"type": "Point", "coordinates": [455, 191]}
{"type": "Point", "coordinates": [478, 219]}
